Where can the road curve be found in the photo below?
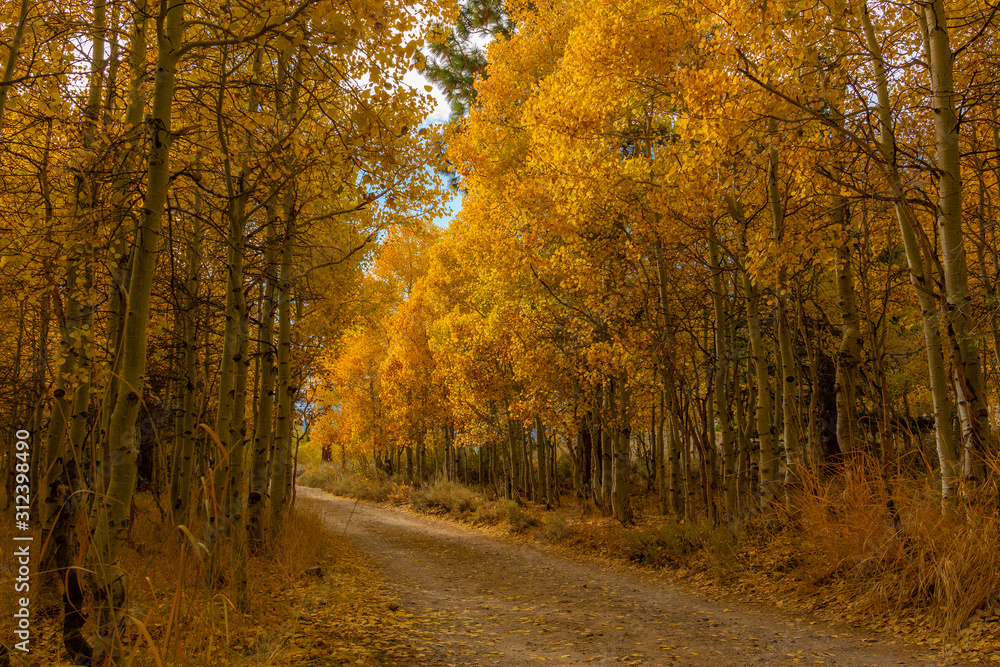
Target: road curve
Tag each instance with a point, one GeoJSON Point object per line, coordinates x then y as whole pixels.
{"type": "Point", "coordinates": [481, 600]}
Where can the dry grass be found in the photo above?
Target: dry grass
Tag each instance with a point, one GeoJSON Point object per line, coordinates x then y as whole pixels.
{"type": "Point", "coordinates": [375, 488]}
{"type": "Point", "coordinates": [940, 563]}
{"type": "Point", "coordinates": [445, 498]}
{"type": "Point", "coordinates": [175, 619]}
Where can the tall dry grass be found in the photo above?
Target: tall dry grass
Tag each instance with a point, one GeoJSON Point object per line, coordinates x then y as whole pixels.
{"type": "Point", "coordinates": [895, 547]}
{"type": "Point", "coordinates": [173, 617]}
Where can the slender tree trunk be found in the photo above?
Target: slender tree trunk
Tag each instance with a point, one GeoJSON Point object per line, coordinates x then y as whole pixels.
{"type": "Point", "coordinates": [744, 457]}
{"type": "Point", "coordinates": [451, 456]}
{"type": "Point", "coordinates": [227, 509]}
{"type": "Point", "coordinates": [812, 446]}
{"type": "Point", "coordinates": [789, 382]}
{"type": "Point", "coordinates": [553, 467]}
{"type": "Point", "coordinates": [62, 467]}
{"type": "Point", "coordinates": [57, 440]}
{"type": "Point", "coordinates": [510, 459]}
{"type": "Point", "coordinates": [121, 268]}
{"type": "Point", "coordinates": [597, 446]}
{"type": "Point", "coordinates": [285, 390]}
{"type": "Point", "coordinates": [524, 443]}
{"type": "Point", "coordinates": [422, 454]}
{"type": "Point", "coordinates": [113, 517]}
{"type": "Point", "coordinates": [767, 469]}
{"type": "Point", "coordinates": [944, 410]}
{"type": "Point", "coordinates": [281, 470]}
{"type": "Point", "coordinates": [673, 441]}
{"type": "Point", "coordinates": [721, 376]}
{"type": "Point", "coordinates": [13, 52]}
{"type": "Point", "coordinates": [543, 468]}
{"type": "Point", "coordinates": [849, 354]}
{"type": "Point", "coordinates": [620, 504]}
{"type": "Point", "coordinates": [579, 462]}
{"type": "Point", "coordinates": [176, 400]}
{"type": "Point", "coordinates": [673, 455]}
{"type": "Point", "coordinates": [71, 407]}
{"type": "Point", "coordinates": [660, 444]}
{"type": "Point", "coordinates": [983, 246]}
{"type": "Point", "coordinates": [608, 433]}
{"type": "Point", "coordinates": [976, 435]}
{"type": "Point", "coordinates": [687, 435]}
{"type": "Point", "coordinates": [991, 277]}
{"type": "Point", "coordinates": [183, 467]}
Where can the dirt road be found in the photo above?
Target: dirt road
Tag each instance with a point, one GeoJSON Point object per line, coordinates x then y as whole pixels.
{"type": "Point", "coordinates": [489, 601]}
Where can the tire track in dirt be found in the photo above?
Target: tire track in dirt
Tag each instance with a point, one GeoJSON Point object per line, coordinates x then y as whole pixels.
{"type": "Point", "coordinates": [482, 600]}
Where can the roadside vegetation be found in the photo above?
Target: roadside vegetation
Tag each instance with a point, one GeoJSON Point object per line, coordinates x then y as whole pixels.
{"type": "Point", "coordinates": [314, 601]}
{"type": "Point", "coordinates": [929, 578]}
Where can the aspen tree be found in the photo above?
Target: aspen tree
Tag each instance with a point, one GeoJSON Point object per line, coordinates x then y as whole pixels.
{"type": "Point", "coordinates": [969, 388]}
{"type": "Point", "coordinates": [811, 455]}
{"type": "Point", "coordinates": [227, 509]}
{"type": "Point", "coordinates": [13, 53]}
{"type": "Point", "coordinates": [619, 396]}
{"type": "Point", "coordinates": [667, 379]}
{"type": "Point", "coordinates": [986, 250]}
{"type": "Point", "coordinates": [743, 457]}
{"type": "Point", "coordinates": [789, 381]}
{"type": "Point", "coordinates": [41, 356]}
{"type": "Point", "coordinates": [849, 353]}
{"type": "Point", "coordinates": [265, 403]}
{"type": "Point", "coordinates": [183, 467]}
{"type": "Point", "coordinates": [943, 406]}
{"type": "Point", "coordinates": [113, 516]}
{"type": "Point", "coordinates": [121, 260]}
{"type": "Point", "coordinates": [284, 419]}
{"type": "Point", "coordinates": [767, 468]}
{"type": "Point", "coordinates": [544, 487]}
{"type": "Point", "coordinates": [65, 463]}
{"type": "Point", "coordinates": [287, 107]}
{"type": "Point", "coordinates": [721, 405]}
{"type": "Point", "coordinates": [994, 324]}
{"type": "Point", "coordinates": [608, 443]}
{"type": "Point", "coordinates": [660, 448]}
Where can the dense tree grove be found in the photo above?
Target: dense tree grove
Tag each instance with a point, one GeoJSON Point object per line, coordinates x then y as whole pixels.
{"type": "Point", "coordinates": [190, 192]}
{"type": "Point", "coordinates": [717, 248]}
{"type": "Point", "coordinates": [708, 251]}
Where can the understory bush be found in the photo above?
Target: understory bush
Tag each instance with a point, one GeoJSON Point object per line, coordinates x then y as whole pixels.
{"type": "Point", "coordinates": [554, 527]}
{"type": "Point", "coordinates": [442, 497]}
{"type": "Point", "coordinates": [519, 518]}
{"type": "Point", "coordinates": [657, 546]}
{"type": "Point", "coordinates": [374, 487]}
{"type": "Point", "coordinates": [490, 513]}
{"type": "Point", "coordinates": [913, 554]}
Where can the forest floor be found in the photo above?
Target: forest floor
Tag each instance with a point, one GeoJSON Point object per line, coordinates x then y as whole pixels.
{"type": "Point", "coordinates": [316, 601]}
{"type": "Point", "coordinates": [472, 598]}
